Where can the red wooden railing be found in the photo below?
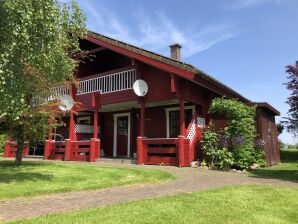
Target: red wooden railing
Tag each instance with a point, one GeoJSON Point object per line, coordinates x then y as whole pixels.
{"type": "Point", "coordinates": [170, 151]}
{"type": "Point", "coordinates": [69, 150]}
{"type": "Point", "coordinates": [161, 151]}
{"type": "Point", "coordinates": [10, 149]}
{"type": "Point", "coordinates": [54, 150]}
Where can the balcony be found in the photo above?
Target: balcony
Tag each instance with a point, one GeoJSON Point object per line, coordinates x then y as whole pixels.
{"type": "Point", "coordinates": [104, 84]}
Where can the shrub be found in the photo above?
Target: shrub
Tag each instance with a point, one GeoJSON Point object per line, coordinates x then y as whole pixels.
{"type": "Point", "coordinates": [210, 146]}
{"type": "Point", "coordinates": [3, 138]}
{"type": "Point", "coordinates": [243, 157]}
{"type": "Point", "coordinates": [225, 159]}
{"type": "Point", "coordinates": [214, 153]}
{"type": "Point", "coordinates": [236, 145]}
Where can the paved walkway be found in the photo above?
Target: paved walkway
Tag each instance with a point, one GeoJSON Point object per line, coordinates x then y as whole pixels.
{"type": "Point", "coordinates": [188, 180]}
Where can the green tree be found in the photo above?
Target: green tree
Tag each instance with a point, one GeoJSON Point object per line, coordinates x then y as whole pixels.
{"type": "Point", "coordinates": [291, 122]}
{"type": "Point", "coordinates": [280, 128]}
{"type": "Point", "coordinates": [39, 47]}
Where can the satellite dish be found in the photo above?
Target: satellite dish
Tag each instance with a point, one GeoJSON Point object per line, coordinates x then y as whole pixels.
{"type": "Point", "coordinates": [65, 102]}
{"type": "Point", "coordinates": [140, 87]}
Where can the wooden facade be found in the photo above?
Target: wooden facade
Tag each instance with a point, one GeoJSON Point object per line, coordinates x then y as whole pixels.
{"type": "Point", "coordinates": [164, 127]}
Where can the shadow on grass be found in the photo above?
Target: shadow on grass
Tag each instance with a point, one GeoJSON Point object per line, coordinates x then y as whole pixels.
{"type": "Point", "coordinates": [287, 170]}
{"type": "Point", "coordinates": [9, 172]}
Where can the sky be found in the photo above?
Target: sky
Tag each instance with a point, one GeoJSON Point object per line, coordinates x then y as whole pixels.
{"type": "Point", "coordinates": [246, 44]}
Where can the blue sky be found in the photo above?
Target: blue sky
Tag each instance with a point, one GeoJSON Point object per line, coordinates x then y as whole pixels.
{"type": "Point", "coordinates": [244, 43]}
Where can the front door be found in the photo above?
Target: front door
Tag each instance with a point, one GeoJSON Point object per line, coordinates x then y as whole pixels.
{"type": "Point", "coordinates": [122, 135]}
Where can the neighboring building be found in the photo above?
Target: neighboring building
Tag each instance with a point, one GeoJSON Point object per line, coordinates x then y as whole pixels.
{"type": "Point", "coordinates": [163, 127]}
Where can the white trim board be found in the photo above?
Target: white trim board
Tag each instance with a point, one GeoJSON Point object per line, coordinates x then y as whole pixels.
{"type": "Point", "coordinates": [167, 111]}
{"type": "Point", "coordinates": [115, 116]}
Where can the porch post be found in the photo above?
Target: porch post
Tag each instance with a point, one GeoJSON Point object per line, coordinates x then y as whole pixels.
{"type": "Point", "coordinates": [50, 129]}
{"type": "Point", "coordinates": [71, 125]}
{"type": "Point", "coordinates": [181, 137]}
{"type": "Point", "coordinates": [140, 144]}
{"type": "Point", "coordinates": [142, 118]}
{"type": "Point", "coordinates": [68, 147]}
{"type": "Point", "coordinates": [95, 123]}
{"type": "Point", "coordinates": [182, 119]}
{"type": "Point", "coordinates": [71, 134]}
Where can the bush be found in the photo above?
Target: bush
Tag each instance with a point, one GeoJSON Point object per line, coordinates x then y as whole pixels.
{"type": "Point", "coordinates": [243, 157]}
{"type": "Point", "coordinates": [210, 146]}
{"type": "Point", "coordinates": [213, 153]}
{"type": "Point", "coordinates": [225, 159]}
{"type": "Point", "coordinates": [235, 146]}
{"type": "Point", "coordinates": [3, 138]}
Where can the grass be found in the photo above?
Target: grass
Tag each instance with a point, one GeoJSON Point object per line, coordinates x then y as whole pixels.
{"type": "Point", "coordinates": [39, 178]}
{"type": "Point", "coordinates": [287, 170]}
{"type": "Point", "coordinates": [242, 204]}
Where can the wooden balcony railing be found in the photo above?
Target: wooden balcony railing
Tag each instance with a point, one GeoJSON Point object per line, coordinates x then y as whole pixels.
{"type": "Point", "coordinates": [108, 83]}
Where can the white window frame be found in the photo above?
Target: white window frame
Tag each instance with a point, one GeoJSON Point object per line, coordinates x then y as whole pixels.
{"type": "Point", "coordinates": [115, 133]}
{"type": "Point", "coordinates": [167, 110]}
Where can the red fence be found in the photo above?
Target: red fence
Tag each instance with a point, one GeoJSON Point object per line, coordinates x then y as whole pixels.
{"type": "Point", "coordinates": [73, 150]}
{"type": "Point", "coordinates": [56, 150]}
{"type": "Point", "coordinates": [163, 151]}
{"type": "Point", "coordinates": [10, 149]}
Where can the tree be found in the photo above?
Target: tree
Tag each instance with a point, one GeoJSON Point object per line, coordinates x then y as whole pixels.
{"type": "Point", "coordinates": [39, 45]}
{"type": "Point", "coordinates": [280, 128]}
{"type": "Point", "coordinates": [291, 122]}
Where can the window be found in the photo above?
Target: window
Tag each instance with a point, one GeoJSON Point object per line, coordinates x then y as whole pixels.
{"type": "Point", "coordinates": [173, 120]}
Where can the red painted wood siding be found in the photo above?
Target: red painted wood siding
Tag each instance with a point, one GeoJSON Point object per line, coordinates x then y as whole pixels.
{"type": "Point", "coordinates": [155, 122]}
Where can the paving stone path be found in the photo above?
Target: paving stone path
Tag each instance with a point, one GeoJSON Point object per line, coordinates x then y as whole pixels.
{"type": "Point", "coordinates": [188, 180]}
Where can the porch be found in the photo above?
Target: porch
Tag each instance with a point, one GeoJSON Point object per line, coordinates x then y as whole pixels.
{"type": "Point", "coordinates": [110, 120]}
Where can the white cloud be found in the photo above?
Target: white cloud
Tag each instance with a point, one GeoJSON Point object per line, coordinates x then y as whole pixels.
{"type": "Point", "coordinates": [154, 31]}
{"type": "Point", "coordinates": [243, 4]}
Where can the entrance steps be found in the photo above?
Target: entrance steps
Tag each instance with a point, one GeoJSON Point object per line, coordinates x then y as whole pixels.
{"type": "Point", "coordinates": [117, 160]}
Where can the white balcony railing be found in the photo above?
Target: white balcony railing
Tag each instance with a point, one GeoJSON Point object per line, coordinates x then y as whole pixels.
{"type": "Point", "coordinates": [104, 84]}
{"type": "Point", "coordinates": [59, 91]}
{"type": "Point", "coordinates": [109, 83]}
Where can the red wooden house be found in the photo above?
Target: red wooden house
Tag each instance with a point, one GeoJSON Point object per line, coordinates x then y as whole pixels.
{"type": "Point", "coordinates": [163, 127]}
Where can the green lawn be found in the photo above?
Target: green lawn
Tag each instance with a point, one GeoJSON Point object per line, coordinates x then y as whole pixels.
{"type": "Point", "coordinates": [245, 204]}
{"type": "Point", "coordinates": [287, 170]}
{"type": "Point", "coordinates": [37, 178]}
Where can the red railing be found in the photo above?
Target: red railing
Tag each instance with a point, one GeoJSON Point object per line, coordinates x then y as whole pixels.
{"type": "Point", "coordinates": [73, 150]}
{"type": "Point", "coordinates": [84, 150]}
{"type": "Point", "coordinates": [161, 151]}
{"type": "Point", "coordinates": [10, 149]}
{"type": "Point", "coordinates": [54, 150]}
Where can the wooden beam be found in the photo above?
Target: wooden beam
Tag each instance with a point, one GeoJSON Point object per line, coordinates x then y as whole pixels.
{"type": "Point", "coordinates": [182, 117]}
{"type": "Point", "coordinates": [95, 123]}
{"type": "Point", "coordinates": [50, 128]}
{"type": "Point", "coordinates": [95, 50]}
{"type": "Point", "coordinates": [142, 118]}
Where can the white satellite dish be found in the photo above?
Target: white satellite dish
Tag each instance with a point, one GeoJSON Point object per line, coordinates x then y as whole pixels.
{"type": "Point", "coordinates": [65, 102]}
{"type": "Point", "coordinates": [140, 87]}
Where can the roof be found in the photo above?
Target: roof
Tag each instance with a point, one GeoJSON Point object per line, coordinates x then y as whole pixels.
{"type": "Point", "coordinates": [179, 65]}
{"type": "Point", "coordinates": [268, 107]}
{"type": "Point", "coordinates": [166, 60]}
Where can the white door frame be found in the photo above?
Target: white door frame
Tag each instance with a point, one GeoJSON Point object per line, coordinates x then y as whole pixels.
{"type": "Point", "coordinates": [115, 133]}
{"type": "Point", "coordinates": [167, 110]}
